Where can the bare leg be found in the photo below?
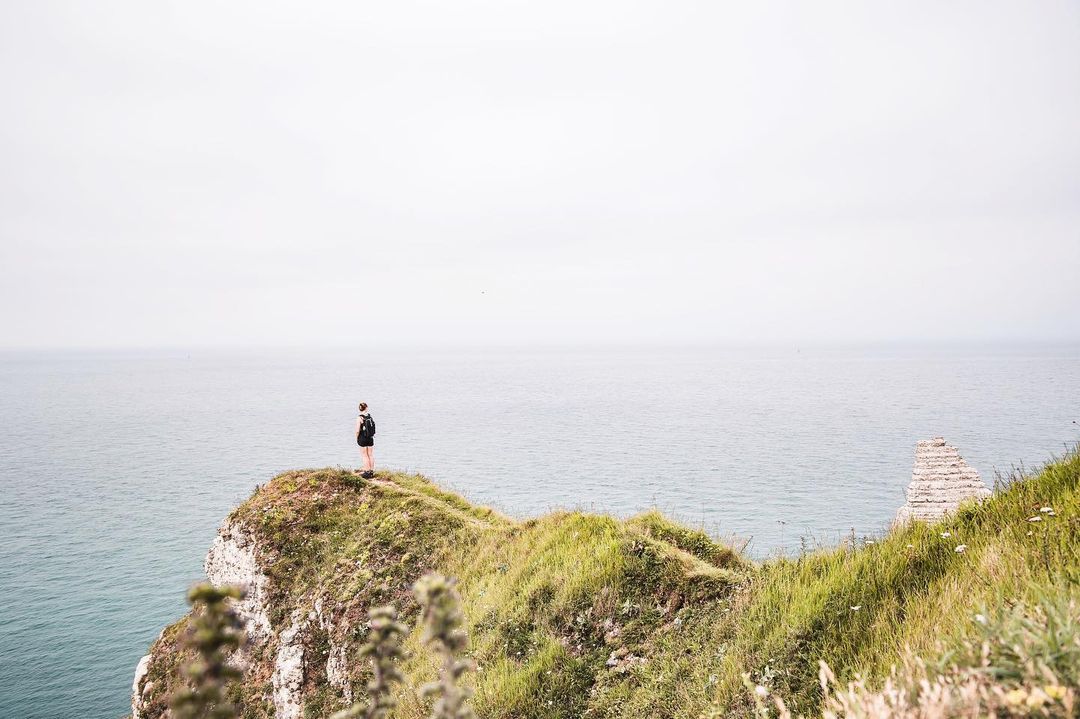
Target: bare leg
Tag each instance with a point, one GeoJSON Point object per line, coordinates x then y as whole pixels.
{"type": "Point", "coordinates": [369, 458]}
{"type": "Point", "coordinates": [363, 459]}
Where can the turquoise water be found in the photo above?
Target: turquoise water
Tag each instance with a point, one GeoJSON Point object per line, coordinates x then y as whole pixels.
{"type": "Point", "coordinates": [116, 469]}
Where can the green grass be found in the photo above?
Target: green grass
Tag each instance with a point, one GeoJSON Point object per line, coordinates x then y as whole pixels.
{"type": "Point", "coordinates": [912, 587]}
{"type": "Point", "coordinates": [582, 615]}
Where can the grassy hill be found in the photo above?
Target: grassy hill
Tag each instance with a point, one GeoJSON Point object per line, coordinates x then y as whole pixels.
{"type": "Point", "coordinates": [582, 615]}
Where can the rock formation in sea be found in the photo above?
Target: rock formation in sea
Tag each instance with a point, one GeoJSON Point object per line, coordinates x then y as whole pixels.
{"type": "Point", "coordinates": [940, 482]}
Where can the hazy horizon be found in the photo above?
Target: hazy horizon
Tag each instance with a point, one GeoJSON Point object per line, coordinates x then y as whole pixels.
{"type": "Point", "coordinates": [417, 174]}
{"type": "Point", "coordinates": [761, 349]}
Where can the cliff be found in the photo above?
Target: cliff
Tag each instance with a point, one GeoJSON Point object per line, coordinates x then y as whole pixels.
{"type": "Point", "coordinates": [581, 615]}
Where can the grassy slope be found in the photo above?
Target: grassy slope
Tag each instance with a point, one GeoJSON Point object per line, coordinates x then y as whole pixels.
{"type": "Point", "coordinates": [550, 601]}
{"type": "Point", "coordinates": [913, 587]}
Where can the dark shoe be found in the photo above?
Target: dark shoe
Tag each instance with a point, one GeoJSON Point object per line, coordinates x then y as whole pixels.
{"type": "Point", "coordinates": [368, 475]}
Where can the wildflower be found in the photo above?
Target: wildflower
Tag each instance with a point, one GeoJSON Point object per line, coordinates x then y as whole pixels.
{"type": "Point", "coordinates": [911, 546]}
{"type": "Point", "coordinates": [960, 548]}
{"type": "Point", "coordinates": [761, 691]}
{"type": "Point", "coordinates": [1034, 519]}
{"type": "Point", "coordinates": [869, 542]}
{"type": "Point", "coordinates": [1036, 699]}
{"type": "Point", "coordinates": [1054, 691]}
{"type": "Point", "coordinates": [980, 618]}
{"type": "Point", "coordinates": [1047, 510]}
{"type": "Point", "coordinates": [946, 535]}
{"type": "Point", "coordinates": [1016, 697]}
{"type": "Point", "coordinates": [856, 608]}
{"type": "Point", "coordinates": [713, 679]}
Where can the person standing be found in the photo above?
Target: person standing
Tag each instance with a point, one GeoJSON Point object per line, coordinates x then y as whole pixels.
{"type": "Point", "coordinates": [365, 437]}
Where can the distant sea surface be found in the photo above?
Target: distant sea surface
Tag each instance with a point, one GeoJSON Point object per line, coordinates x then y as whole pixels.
{"type": "Point", "coordinates": [116, 469]}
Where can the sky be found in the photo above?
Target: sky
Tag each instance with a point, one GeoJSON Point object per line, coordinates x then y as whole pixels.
{"type": "Point", "coordinates": [178, 174]}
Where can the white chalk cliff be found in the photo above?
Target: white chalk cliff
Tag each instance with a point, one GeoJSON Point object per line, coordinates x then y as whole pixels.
{"type": "Point", "coordinates": [233, 559]}
{"type": "Point", "coordinates": [940, 482]}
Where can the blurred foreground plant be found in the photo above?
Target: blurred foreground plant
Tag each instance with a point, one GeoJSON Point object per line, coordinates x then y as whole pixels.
{"type": "Point", "coordinates": [216, 632]}
{"type": "Point", "coordinates": [442, 620]}
{"type": "Point", "coordinates": [384, 648]}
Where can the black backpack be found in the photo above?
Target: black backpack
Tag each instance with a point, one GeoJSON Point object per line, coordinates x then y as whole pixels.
{"type": "Point", "coordinates": [367, 428]}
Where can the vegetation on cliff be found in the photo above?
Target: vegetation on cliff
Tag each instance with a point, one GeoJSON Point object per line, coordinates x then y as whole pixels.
{"type": "Point", "coordinates": [581, 615]}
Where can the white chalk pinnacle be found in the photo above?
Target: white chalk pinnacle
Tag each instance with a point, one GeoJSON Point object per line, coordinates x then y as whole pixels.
{"type": "Point", "coordinates": [940, 481]}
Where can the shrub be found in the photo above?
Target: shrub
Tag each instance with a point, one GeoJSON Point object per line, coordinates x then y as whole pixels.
{"type": "Point", "coordinates": [384, 648]}
{"type": "Point", "coordinates": [442, 620]}
{"type": "Point", "coordinates": [215, 633]}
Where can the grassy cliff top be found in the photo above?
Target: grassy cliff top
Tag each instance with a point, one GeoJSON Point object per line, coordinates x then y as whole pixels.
{"type": "Point", "coordinates": [582, 615]}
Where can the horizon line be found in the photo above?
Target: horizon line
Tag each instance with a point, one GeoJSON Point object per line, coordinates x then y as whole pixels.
{"type": "Point", "coordinates": [775, 345]}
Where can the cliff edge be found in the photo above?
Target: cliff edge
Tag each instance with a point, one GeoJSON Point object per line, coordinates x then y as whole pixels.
{"type": "Point", "coordinates": [582, 615]}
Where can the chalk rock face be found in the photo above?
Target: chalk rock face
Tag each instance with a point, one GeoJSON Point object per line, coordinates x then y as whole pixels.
{"type": "Point", "coordinates": [235, 559]}
{"type": "Point", "coordinates": [138, 688]}
{"type": "Point", "coordinates": [289, 671]}
{"type": "Point", "coordinates": [292, 659]}
{"type": "Point", "coordinates": [232, 560]}
{"type": "Point", "coordinates": [940, 482]}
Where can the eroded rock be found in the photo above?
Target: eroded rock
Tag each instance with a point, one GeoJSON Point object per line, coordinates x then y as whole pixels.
{"type": "Point", "coordinates": [288, 675]}
{"type": "Point", "coordinates": [139, 693]}
{"type": "Point", "coordinates": [940, 482]}
{"type": "Point", "coordinates": [232, 560]}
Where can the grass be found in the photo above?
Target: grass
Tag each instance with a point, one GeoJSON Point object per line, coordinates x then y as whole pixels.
{"type": "Point", "coordinates": [582, 615]}
{"type": "Point", "coordinates": [912, 588]}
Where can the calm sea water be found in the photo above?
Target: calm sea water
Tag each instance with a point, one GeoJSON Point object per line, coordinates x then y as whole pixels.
{"type": "Point", "coordinates": [115, 469]}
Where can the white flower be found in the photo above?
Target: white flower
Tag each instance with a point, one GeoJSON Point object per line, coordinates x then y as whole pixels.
{"type": "Point", "coordinates": [856, 608]}
{"type": "Point", "coordinates": [1030, 533]}
{"type": "Point", "coordinates": [869, 542]}
{"type": "Point", "coordinates": [1047, 510]}
{"type": "Point", "coordinates": [911, 546]}
{"type": "Point", "coordinates": [980, 618]}
{"type": "Point", "coordinates": [1034, 519]}
{"type": "Point", "coordinates": [761, 691]}
{"type": "Point", "coordinates": [946, 535]}
{"type": "Point", "coordinates": [960, 548]}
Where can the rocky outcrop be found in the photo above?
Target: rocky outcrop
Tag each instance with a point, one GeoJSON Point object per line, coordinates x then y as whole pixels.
{"type": "Point", "coordinates": [940, 482]}
{"type": "Point", "coordinates": [233, 559]}
{"type": "Point", "coordinates": [140, 687]}
{"type": "Point", "coordinates": [288, 675]}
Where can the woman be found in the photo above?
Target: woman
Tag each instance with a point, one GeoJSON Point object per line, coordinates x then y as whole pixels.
{"type": "Point", "coordinates": [365, 437]}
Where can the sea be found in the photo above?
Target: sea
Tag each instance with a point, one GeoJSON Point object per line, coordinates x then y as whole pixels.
{"type": "Point", "coordinates": [117, 467]}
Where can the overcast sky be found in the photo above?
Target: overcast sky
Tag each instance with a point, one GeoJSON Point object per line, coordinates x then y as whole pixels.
{"type": "Point", "coordinates": [262, 173]}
